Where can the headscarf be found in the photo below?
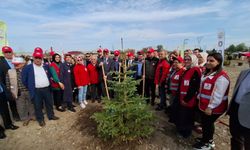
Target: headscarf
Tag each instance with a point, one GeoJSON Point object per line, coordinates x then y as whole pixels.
{"type": "Point", "coordinates": [204, 56]}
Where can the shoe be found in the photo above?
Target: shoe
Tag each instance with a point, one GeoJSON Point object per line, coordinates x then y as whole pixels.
{"type": "Point", "coordinates": [73, 105]}
{"type": "Point", "coordinates": [211, 142]}
{"type": "Point", "coordinates": [41, 123]}
{"type": "Point", "coordinates": [82, 105]}
{"type": "Point", "coordinates": [60, 108]}
{"type": "Point", "coordinates": [159, 108]}
{"type": "Point", "coordinates": [202, 146]}
{"type": "Point", "coordinates": [12, 127]}
{"type": "Point", "coordinates": [2, 135]}
{"type": "Point", "coordinates": [54, 118]}
{"type": "Point", "coordinates": [71, 109]}
{"type": "Point", "coordinates": [85, 102]}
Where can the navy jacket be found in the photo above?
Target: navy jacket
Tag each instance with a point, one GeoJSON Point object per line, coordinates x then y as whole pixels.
{"type": "Point", "coordinates": [28, 78]}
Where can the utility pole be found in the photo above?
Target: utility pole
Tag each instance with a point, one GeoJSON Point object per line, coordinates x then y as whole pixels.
{"type": "Point", "coordinates": [122, 44]}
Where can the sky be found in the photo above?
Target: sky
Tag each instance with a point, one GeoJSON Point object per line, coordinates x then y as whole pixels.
{"type": "Point", "coordinates": [87, 24]}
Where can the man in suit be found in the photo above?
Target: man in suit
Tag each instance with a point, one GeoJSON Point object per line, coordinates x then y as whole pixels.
{"type": "Point", "coordinates": [5, 65]}
{"type": "Point", "coordinates": [108, 64]}
{"type": "Point", "coordinates": [239, 111]}
{"type": "Point", "coordinates": [35, 77]}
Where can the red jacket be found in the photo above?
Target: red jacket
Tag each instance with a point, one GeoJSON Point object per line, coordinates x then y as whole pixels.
{"type": "Point", "coordinates": [162, 71]}
{"type": "Point", "coordinates": [81, 75]}
{"type": "Point", "coordinates": [93, 74]}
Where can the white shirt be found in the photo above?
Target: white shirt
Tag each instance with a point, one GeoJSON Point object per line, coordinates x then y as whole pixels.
{"type": "Point", "coordinates": [220, 88]}
{"type": "Point", "coordinates": [41, 79]}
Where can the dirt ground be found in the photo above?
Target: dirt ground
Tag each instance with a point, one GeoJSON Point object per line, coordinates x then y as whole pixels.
{"type": "Point", "coordinates": [77, 131]}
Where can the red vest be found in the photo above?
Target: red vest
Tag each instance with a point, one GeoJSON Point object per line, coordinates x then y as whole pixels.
{"type": "Point", "coordinates": [175, 80]}
{"type": "Point", "coordinates": [206, 91]}
{"type": "Point", "coordinates": [53, 83]}
{"type": "Point", "coordinates": [184, 86]}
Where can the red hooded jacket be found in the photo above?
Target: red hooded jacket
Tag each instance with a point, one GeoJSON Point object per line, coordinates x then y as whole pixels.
{"type": "Point", "coordinates": [81, 75]}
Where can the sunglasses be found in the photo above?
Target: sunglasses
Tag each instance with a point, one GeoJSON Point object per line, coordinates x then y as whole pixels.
{"type": "Point", "coordinates": [79, 60]}
{"type": "Point", "coordinates": [8, 52]}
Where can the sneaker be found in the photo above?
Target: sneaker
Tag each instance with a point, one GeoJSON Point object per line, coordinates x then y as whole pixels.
{"type": "Point", "coordinates": [202, 146]}
{"type": "Point", "coordinates": [211, 142]}
{"type": "Point", "coordinates": [85, 102]}
{"type": "Point", "coordinates": [82, 105]}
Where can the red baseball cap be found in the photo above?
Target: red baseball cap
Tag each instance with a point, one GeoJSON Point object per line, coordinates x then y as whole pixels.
{"type": "Point", "coordinates": [38, 49]}
{"type": "Point", "coordinates": [116, 52]}
{"type": "Point", "coordinates": [99, 50]}
{"type": "Point", "coordinates": [6, 49]}
{"type": "Point", "coordinates": [179, 58]}
{"type": "Point", "coordinates": [151, 50]}
{"type": "Point", "coordinates": [106, 50]}
{"type": "Point", "coordinates": [37, 55]}
{"type": "Point", "coordinates": [130, 54]}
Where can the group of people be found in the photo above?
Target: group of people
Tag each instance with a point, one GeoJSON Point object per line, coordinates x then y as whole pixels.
{"type": "Point", "coordinates": [192, 88]}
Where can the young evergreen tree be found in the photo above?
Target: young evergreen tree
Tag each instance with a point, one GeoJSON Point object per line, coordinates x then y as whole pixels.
{"type": "Point", "coordinates": [125, 117]}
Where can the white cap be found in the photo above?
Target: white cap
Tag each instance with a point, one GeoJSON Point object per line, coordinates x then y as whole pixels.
{"type": "Point", "coordinates": [18, 60]}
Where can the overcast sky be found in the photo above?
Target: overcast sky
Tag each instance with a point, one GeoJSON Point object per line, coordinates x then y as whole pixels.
{"type": "Point", "coordinates": [87, 24]}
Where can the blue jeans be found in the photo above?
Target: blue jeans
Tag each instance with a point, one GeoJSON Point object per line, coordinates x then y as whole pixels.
{"type": "Point", "coordinates": [82, 91]}
{"type": "Point", "coordinates": [43, 96]}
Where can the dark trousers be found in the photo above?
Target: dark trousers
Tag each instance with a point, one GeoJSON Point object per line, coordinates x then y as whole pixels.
{"type": "Point", "coordinates": [4, 110]}
{"type": "Point", "coordinates": [208, 126]}
{"type": "Point", "coordinates": [58, 97]}
{"type": "Point", "coordinates": [240, 135]}
{"type": "Point", "coordinates": [43, 95]}
{"type": "Point", "coordinates": [162, 94]}
{"type": "Point", "coordinates": [139, 86]}
{"type": "Point", "coordinates": [99, 89]}
{"type": "Point", "coordinates": [150, 90]}
{"type": "Point", "coordinates": [94, 91]}
{"type": "Point", "coordinates": [12, 104]}
{"type": "Point", "coordinates": [1, 129]}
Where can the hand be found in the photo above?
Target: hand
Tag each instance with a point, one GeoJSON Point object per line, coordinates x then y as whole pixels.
{"type": "Point", "coordinates": [101, 64]}
{"type": "Point", "coordinates": [61, 85]}
{"type": "Point", "coordinates": [143, 77]}
{"type": "Point", "coordinates": [105, 77]}
{"type": "Point", "coordinates": [157, 86]}
{"type": "Point", "coordinates": [208, 111]}
{"type": "Point", "coordinates": [184, 103]}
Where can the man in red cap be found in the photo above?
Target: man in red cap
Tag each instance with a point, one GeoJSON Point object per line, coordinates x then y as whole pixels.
{"type": "Point", "coordinates": [130, 59]}
{"type": "Point", "coordinates": [99, 55]}
{"type": "Point", "coordinates": [5, 65]}
{"type": "Point", "coordinates": [108, 64]}
{"type": "Point", "coordinates": [150, 68]}
{"type": "Point", "coordinates": [36, 77]}
{"type": "Point", "coordinates": [117, 61]}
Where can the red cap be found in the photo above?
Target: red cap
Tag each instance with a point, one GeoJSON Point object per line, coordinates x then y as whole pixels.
{"type": "Point", "coordinates": [179, 58]}
{"type": "Point", "coordinates": [37, 54]}
{"type": "Point", "coordinates": [140, 53]}
{"type": "Point", "coordinates": [116, 52]}
{"type": "Point", "coordinates": [130, 54]}
{"type": "Point", "coordinates": [51, 53]}
{"type": "Point", "coordinates": [7, 49]}
{"type": "Point", "coordinates": [151, 50]}
{"type": "Point", "coordinates": [99, 50]}
{"type": "Point", "coordinates": [106, 50]}
{"type": "Point", "coordinates": [38, 49]}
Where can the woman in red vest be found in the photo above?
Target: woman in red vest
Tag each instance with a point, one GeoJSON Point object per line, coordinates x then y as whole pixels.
{"type": "Point", "coordinates": [213, 98]}
{"type": "Point", "coordinates": [82, 81]}
{"type": "Point", "coordinates": [189, 88]}
{"type": "Point", "coordinates": [173, 86]}
{"type": "Point", "coordinates": [57, 91]}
